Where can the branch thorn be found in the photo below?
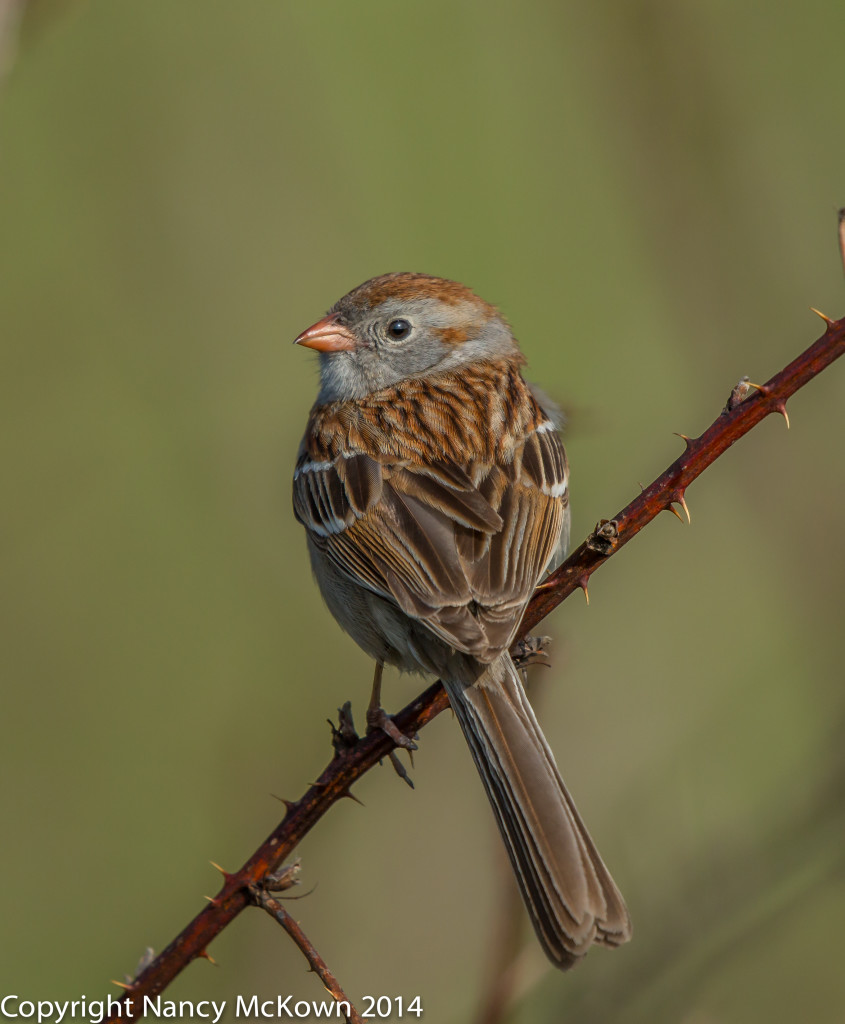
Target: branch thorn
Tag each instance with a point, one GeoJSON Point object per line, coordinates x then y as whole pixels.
{"type": "Point", "coordinates": [207, 956]}
{"type": "Point", "coordinates": [222, 871]}
{"type": "Point", "coordinates": [582, 583]}
{"type": "Point", "coordinates": [351, 796]}
{"type": "Point", "coordinates": [679, 497]}
{"type": "Point", "coordinates": [671, 508]}
{"type": "Point", "coordinates": [830, 323]}
{"type": "Point", "coordinates": [289, 804]}
{"type": "Point", "coordinates": [781, 408]}
{"type": "Point", "coordinates": [121, 984]}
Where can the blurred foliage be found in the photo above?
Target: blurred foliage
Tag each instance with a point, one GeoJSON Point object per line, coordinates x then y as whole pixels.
{"type": "Point", "coordinates": [648, 190]}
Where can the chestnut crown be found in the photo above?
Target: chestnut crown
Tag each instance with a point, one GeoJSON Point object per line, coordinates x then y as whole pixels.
{"type": "Point", "coordinates": [403, 325]}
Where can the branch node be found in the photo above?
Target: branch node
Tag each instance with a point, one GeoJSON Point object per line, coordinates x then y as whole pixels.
{"type": "Point", "coordinates": [740, 391]}
{"type": "Point", "coordinates": [344, 735]}
{"type": "Point", "coordinates": [148, 957]}
{"type": "Point", "coordinates": [604, 537]}
{"type": "Point", "coordinates": [284, 878]}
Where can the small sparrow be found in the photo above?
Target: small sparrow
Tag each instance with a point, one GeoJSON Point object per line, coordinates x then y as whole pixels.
{"type": "Point", "coordinates": [432, 486]}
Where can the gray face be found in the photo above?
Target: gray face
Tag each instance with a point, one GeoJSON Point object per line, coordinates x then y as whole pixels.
{"type": "Point", "coordinates": [402, 338]}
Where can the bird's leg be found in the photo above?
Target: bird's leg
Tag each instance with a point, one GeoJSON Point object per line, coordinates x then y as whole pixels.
{"type": "Point", "coordinates": [378, 718]}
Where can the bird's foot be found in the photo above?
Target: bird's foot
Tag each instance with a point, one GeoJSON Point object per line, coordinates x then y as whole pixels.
{"type": "Point", "coordinates": [531, 651]}
{"type": "Point", "coordinates": [378, 718]}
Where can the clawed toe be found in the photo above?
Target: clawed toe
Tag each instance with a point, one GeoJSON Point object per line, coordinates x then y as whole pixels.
{"type": "Point", "coordinates": [531, 651]}
{"type": "Point", "coordinates": [399, 768]}
{"type": "Point", "coordinates": [378, 718]}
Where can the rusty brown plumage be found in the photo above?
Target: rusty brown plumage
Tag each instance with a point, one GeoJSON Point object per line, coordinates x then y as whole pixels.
{"type": "Point", "coordinates": [363, 463]}
{"type": "Point", "coordinates": [411, 286]}
{"type": "Point", "coordinates": [426, 417]}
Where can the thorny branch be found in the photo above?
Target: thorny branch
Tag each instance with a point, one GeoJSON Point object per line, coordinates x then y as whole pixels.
{"type": "Point", "coordinates": [746, 407]}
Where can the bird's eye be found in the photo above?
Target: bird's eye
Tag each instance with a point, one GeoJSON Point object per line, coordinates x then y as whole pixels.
{"type": "Point", "coordinates": [398, 330]}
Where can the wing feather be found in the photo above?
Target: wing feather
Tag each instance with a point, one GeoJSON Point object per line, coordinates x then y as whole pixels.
{"type": "Point", "coordinates": [461, 547]}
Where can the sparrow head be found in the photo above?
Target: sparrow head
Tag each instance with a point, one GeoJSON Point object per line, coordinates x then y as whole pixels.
{"type": "Point", "coordinates": [403, 325]}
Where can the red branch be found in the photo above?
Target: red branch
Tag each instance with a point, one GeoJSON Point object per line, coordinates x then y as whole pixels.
{"type": "Point", "coordinates": [350, 764]}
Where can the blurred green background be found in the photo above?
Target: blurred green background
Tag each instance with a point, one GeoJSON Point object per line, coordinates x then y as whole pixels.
{"type": "Point", "coordinates": [649, 192]}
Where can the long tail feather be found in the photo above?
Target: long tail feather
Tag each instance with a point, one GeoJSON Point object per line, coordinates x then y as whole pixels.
{"type": "Point", "coordinates": [568, 892]}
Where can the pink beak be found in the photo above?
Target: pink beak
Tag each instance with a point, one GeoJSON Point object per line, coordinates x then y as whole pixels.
{"type": "Point", "coordinates": [327, 335]}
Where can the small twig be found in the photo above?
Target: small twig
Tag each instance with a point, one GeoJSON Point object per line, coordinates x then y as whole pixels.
{"type": "Point", "coordinates": [349, 764]}
{"type": "Point", "coordinates": [263, 899]}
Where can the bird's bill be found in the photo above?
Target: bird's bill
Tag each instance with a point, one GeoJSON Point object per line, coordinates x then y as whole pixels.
{"type": "Point", "coordinates": [327, 335]}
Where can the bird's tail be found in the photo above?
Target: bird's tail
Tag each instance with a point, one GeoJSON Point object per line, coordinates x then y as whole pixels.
{"type": "Point", "coordinates": [568, 892]}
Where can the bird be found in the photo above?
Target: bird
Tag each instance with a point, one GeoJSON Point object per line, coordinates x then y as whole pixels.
{"type": "Point", "coordinates": [432, 483]}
